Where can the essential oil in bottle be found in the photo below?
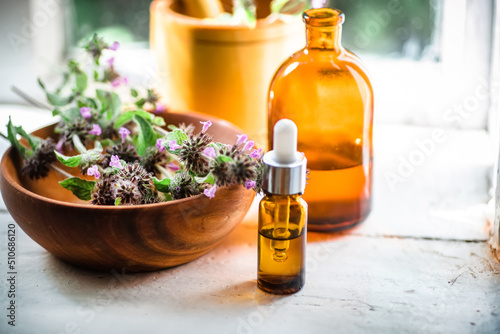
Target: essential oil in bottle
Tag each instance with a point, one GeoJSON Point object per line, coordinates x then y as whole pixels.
{"type": "Point", "coordinates": [283, 215]}
{"type": "Point", "coordinates": [325, 90]}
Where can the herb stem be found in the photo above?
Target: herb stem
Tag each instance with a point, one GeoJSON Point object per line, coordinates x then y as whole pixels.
{"type": "Point", "coordinates": [163, 171]}
{"type": "Point", "coordinates": [78, 144]}
{"type": "Point", "coordinates": [60, 171]}
{"type": "Point", "coordinates": [160, 130]}
{"type": "Point", "coordinates": [29, 99]}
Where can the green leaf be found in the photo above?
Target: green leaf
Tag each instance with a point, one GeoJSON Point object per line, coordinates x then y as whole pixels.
{"type": "Point", "coordinates": [118, 201]}
{"type": "Point", "coordinates": [146, 137]}
{"type": "Point", "coordinates": [127, 117]}
{"type": "Point", "coordinates": [140, 102]}
{"type": "Point", "coordinates": [81, 82]}
{"type": "Point", "coordinates": [223, 158]}
{"type": "Point", "coordinates": [115, 107]}
{"type": "Point", "coordinates": [134, 92]}
{"type": "Point", "coordinates": [244, 11]}
{"type": "Point", "coordinates": [159, 121]}
{"type": "Point", "coordinates": [111, 104]}
{"type": "Point", "coordinates": [86, 158]}
{"type": "Point", "coordinates": [12, 135]}
{"type": "Point", "coordinates": [289, 7]}
{"type": "Point", "coordinates": [206, 179]}
{"type": "Point", "coordinates": [68, 114]}
{"type": "Point", "coordinates": [79, 187]}
{"type": "Point", "coordinates": [32, 140]}
{"type": "Point", "coordinates": [68, 161]}
{"type": "Point", "coordinates": [178, 135]}
{"type": "Point", "coordinates": [107, 142]}
{"type": "Point", "coordinates": [41, 84]}
{"type": "Point", "coordinates": [57, 100]}
{"type": "Point", "coordinates": [162, 185]}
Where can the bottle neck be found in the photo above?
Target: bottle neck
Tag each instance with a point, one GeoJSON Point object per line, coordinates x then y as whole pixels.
{"type": "Point", "coordinates": [324, 38]}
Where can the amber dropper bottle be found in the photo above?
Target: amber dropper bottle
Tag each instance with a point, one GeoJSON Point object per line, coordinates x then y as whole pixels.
{"type": "Point", "coordinates": [283, 215]}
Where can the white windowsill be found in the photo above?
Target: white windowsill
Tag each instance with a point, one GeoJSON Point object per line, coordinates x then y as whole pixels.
{"type": "Point", "coordinates": [421, 260]}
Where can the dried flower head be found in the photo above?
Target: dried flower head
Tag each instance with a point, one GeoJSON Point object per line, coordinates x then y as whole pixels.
{"type": "Point", "coordinates": [153, 157]}
{"type": "Point", "coordinates": [95, 47]}
{"type": "Point", "coordinates": [124, 151]}
{"type": "Point", "coordinates": [126, 191]}
{"type": "Point", "coordinates": [77, 127]}
{"type": "Point", "coordinates": [131, 185]}
{"type": "Point", "coordinates": [101, 194]}
{"type": "Point", "coordinates": [242, 168]}
{"type": "Point", "coordinates": [182, 186]}
{"type": "Point", "coordinates": [191, 153]}
{"type": "Point", "coordinates": [37, 166]}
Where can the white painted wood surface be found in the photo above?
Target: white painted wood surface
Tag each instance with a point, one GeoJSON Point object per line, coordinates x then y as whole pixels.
{"type": "Point", "coordinates": [420, 264]}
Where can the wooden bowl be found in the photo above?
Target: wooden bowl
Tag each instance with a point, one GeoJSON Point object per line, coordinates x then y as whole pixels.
{"type": "Point", "coordinates": [135, 238]}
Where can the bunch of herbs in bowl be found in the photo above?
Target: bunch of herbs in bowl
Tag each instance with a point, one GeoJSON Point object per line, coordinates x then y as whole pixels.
{"type": "Point", "coordinates": [122, 143]}
{"type": "Point", "coordinates": [152, 188]}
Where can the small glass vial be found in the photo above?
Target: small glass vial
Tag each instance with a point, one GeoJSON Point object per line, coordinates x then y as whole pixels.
{"type": "Point", "coordinates": [326, 91]}
{"type": "Point", "coordinates": [283, 215]}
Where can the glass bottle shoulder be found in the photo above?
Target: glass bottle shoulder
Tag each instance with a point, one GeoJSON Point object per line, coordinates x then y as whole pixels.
{"type": "Point", "coordinates": [308, 61]}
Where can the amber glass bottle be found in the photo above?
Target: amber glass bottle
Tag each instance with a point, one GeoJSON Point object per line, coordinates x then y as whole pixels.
{"type": "Point", "coordinates": [282, 243]}
{"type": "Point", "coordinates": [325, 90]}
{"type": "Point", "coordinates": [283, 215]}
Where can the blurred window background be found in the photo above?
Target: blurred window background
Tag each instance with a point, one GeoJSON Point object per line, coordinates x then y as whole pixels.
{"type": "Point", "coordinates": [382, 27]}
{"type": "Point", "coordinates": [424, 56]}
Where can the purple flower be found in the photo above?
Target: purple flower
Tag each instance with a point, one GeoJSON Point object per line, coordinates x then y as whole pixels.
{"type": "Point", "coordinates": [59, 146]}
{"type": "Point", "coordinates": [94, 171]}
{"type": "Point", "coordinates": [173, 145]}
{"type": "Point", "coordinates": [256, 154]}
{"type": "Point", "coordinates": [206, 125]}
{"type": "Point", "coordinates": [124, 132]}
{"type": "Point", "coordinates": [114, 46]}
{"type": "Point", "coordinates": [249, 145]}
{"type": "Point", "coordinates": [249, 184]}
{"type": "Point", "coordinates": [119, 81]}
{"type": "Point", "coordinates": [160, 108]}
{"type": "Point", "coordinates": [96, 130]}
{"type": "Point", "coordinates": [172, 166]}
{"type": "Point", "coordinates": [159, 145]}
{"type": "Point", "coordinates": [241, 139]}
{"type": "Point", "coordinates": [209, 152]}
{"type": "Point", "coordinates": [115, 162]}
{"type": "Point", "coordinates": [85, 112]}
{"type": "Point", "coordinates": [210, 193]}
{"type": "Point", "coordinates": [111, 61]}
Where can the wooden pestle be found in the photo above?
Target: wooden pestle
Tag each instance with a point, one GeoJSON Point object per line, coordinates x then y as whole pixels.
{"type": "Point", "coordinates": [263, 7]}
{"type": "Point", "coordinates": [202, 8]}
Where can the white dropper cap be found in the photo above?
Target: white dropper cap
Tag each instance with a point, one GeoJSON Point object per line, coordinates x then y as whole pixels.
{"type": "Point", "coordinates": [284, 167]}
{"type": "Point", "coordinates": [285, 142]}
